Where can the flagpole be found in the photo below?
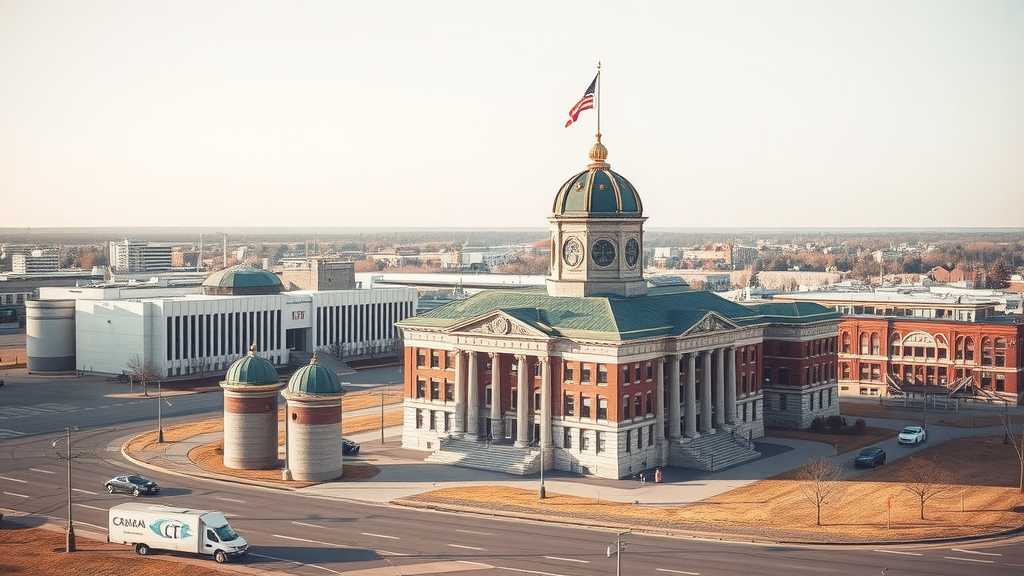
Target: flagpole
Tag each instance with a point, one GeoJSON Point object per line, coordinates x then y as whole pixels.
{"type": "Point", "coordinates": [598, 96]}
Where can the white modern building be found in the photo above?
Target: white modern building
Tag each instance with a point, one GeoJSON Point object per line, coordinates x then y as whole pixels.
{"type": "Point", "coordinates": [36, 262]}
{"type": "Point", "coordinates": [185, 332]}
{"type": "Point", "coordinates": [134, 256]}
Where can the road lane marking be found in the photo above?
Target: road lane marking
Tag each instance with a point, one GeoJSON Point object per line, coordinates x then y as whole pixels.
{"type": "Point", "coordinates": [16, 494]}
{"type": "Point", "coordinates": [974, 552]}
{"type": "Point", "coordinates": [537, 572]}
{"type": "Point", "coordinates": [92, 525]}
{"type": "Point", "coordinates": [90, 507]}
{"type": "Point", "coordinates": [387, 553]}
{"type": "Point", "coordinates": [466, 547]}
{"type": "Point", "coordinates": [477, 533]}
{"type": "Point", "coordinates": [380, 535]}
{"type": "Point", "coordinates": [230, 500]}
{"type": "Point", "coordinates": [13, 479]}
{"type": "Point", "coordinates": [322, 543]}
{"type": "Point", "coordinates": [83, 491]}
{"type": "Point", "coordinates": [304, 524]}
{"type": "Point", "coordinates": [678, 572]}
{"type": "Point", "coordinates": [41, 471]}
{"type": "Point", "coordinates": [970, 560]}
{"type": "Point", "coordinates": [900, 552]}
{"type": "Point", "coordinates": [567, 559]}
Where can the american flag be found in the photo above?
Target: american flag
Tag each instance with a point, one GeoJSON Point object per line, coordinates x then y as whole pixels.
{"type": "Point", "coordinates": [585, 103]}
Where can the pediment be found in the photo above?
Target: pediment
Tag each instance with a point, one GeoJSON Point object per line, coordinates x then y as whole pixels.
{"type": "Point", "coordinates": [711, 322]}
{"type": "Point", "coordinates": [495, 323]}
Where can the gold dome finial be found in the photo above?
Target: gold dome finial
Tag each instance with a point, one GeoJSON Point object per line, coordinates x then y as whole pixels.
{"type": "Point", "coordinates": [313, 359]}
{"type": "Point", "coordinates": [598, 155]}
{"type": "Point", "coordinates": [252, 349]}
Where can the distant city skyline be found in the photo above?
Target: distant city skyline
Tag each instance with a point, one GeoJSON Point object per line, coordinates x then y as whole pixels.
{"type": "Point", "coordinates": [433, 114]}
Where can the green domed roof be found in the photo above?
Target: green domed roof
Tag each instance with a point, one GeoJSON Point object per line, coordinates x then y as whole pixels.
{"type": "Point", "coordinates": [598, 191]}
{"type": "Point", "coordinates": [314, 380]}
{"type": "Point", "coordinates": [252, 370]}
{"type": "Point", "coordinates": [242, 279]}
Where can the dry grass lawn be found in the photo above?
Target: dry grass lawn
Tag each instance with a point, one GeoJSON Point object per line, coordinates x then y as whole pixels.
{"type": "Point", "coordinates": [40, 551]}
{"type": "Point", "coordinates": [984, 471]}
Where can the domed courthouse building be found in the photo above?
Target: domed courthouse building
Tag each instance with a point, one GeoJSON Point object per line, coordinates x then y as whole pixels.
{"type": "Point", "coordinates": [600, 374]}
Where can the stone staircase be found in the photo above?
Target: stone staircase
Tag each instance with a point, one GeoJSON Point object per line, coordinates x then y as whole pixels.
{"type": "Point", "coordinates": [472, 453]}
{"type": "Point", "coordinates": [712, 452]}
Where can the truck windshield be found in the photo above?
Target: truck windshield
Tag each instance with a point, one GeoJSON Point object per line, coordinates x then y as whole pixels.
{"type": "Point", "coordinates": [226, 533]}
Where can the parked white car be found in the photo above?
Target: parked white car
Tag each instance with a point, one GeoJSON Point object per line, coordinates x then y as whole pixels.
{"type": "Point", "coordinates": [912, 435]}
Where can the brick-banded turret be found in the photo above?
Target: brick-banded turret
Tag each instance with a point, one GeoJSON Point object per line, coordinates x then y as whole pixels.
{"type": "Point", "coordinates": [251, 386]}
{"type": "Point", "coordinates": [313, 424]}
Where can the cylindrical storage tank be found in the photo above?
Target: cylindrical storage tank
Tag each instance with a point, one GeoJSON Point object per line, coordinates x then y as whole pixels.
{"type": "Point", "coordinates": [251, 386]}
{"type": "Point", "coordinates": [313, 424]}
{"type": "Point", "coordinates": [50, 335]}
{"type": "Point", "coordinates": [314, 439]}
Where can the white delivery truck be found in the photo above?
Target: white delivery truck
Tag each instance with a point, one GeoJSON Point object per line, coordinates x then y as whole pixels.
{"type": "Point", "coordinates": [153, 527]}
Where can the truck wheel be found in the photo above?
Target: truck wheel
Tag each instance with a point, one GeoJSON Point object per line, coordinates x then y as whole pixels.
{"type": "Point", "coordinates": [110, 489]}
{"type": "Point", "coordinates": [141, 549]}
{"type": "Point", "coordinates": [135, 492]}
{"type": "Point", "coordinates": [220, 556]}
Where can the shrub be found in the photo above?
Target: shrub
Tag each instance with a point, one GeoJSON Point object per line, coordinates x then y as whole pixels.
{"type": "Point", "coordinates": [818, 424]}
{"type": "Point", "coordinates": [835, 422]}
{"type": "Point", "coordinates": [860, 426]}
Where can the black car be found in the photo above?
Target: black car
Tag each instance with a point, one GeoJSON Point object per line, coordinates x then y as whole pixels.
{"type": "Point", "coordinates": [349, 447]}
{"type": "Point", "coordinates": [870, 458]}
{"type": "Point", "coordinates": [132, 484]}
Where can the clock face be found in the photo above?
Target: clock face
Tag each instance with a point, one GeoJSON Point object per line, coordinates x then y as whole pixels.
{"type": "Point", "coordinates": [602, 252]}
{"type": "Point", "coordinates": [572, 252]}
{"type": "Point", "coordinates": [632, 252]}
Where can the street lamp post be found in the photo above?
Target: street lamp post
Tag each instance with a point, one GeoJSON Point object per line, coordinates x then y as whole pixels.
{"type": "Point", "coordinates": [543, 493]}
{"type": "Point", "coordinates": [69, 545]}
{"type": "Point", "coordinates": [618, 551]}
{"type": "Point", "coordinates": [159, 413]}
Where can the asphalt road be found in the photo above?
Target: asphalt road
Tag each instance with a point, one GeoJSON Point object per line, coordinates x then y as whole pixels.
{"type": "Point", "coordinates": [306, 535]}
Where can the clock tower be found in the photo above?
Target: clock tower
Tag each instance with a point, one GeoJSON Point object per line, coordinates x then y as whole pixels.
{"type": "Point", "coordinates": [597, 231]}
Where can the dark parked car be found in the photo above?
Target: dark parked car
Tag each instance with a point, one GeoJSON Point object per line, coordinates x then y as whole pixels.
{"type": "Point", "coordinates": [133, 484]}
{"type": "Point", "coordinates": [870, 458]}
{"type": "Point", "coordinates": [349, 447]}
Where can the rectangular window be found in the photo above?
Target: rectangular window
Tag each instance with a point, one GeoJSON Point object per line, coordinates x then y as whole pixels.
{"type": "Point", "coordinates": [602, 408]}
{"type": "Point", "coordinates": [488, 397]}
{"type": "Point", "coordinates": [567, 438]}
{"type": "Point", "coordinates": [650, 435]}
{"type": "Point", "coordinates": [625, 408]}
{"type": "Point", "coordinates": [536, 400]}
{"type": "Point", "coordinates": [515, 399]}
{"type": "Point", "coordinates": [449, 391]}
{"type": "Point", "coordinates": [435, 359]}
{"type": "Point", "coordinates": [743, 380]}
{"type": "Point", "coordinates": [625, 375]}
{"type": "Point", "coordinates": [449, 360]}
{"type": "Point", "coordinates": [638, 405]}
{"type": "Point", "coordinates": [600, 441]}
{"type": "Point", "coordinates": [419, 418]}
{"type": "Point", "coordinates": [650, 372]}
{"type": "Point", "coordinates": [536, 370]}
{"type": "Point", "coordinates": [650, 404]}
{"type": "Point", "coordinates": [639, 438]}
{"type": "Point", "coordinates": [421, 388]}
{"type": "Point", "coordinates": [584, 441]}
{"type": "Point", "coordinates": [568, 373]}
{"type": "Point", "coordinates": [629, 440]}
{"type": "Point", "coordinates": [433, 420]}
{"type": "Point", "coordinates": [636, 374]}
{"type": "Point", "coordinates": [421, 359]}
{"type": "Point", "coordinates": [584, 374]}
{"type": "Point", "coordinates": [435, 390]}
{"type": "Point", "coordinates": [570, 405]}
{"type": "Point", "coordinates": [585, 407]}
{"type": "Point", "coordinates": [602, 374]}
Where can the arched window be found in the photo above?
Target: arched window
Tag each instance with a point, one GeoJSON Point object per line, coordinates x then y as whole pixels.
{"type": "Point", "coordinates": [1000, 351]}
{"type": "Point", "coordinates": [876, 344]}
{"type": "Point", "coordinates": [941, 347]}
{"type": "Point", "coordinates": [865, 344]}
{"type": "Point", "coordinates": [969, 348]}
{"type": "Point", "coordinates": [846, 343]}
{"type": "Point", "coordinates": [986, 351]}
{"type": "Point", "coordinates": [894, 344]}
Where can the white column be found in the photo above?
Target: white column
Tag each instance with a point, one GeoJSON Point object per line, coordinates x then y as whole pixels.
{"type": "Point", "coordinates": [460, 394]}
{"type": "Point", "coordinates": [545, 406]}
{"type": "Point", "coordinates": [497, 417]}
{"type": "Point", "coordinates": [472, 397]}
{"type": "Point", "coordinates": [719, 388]}
{"type": "Point", "coordinates": [705, 393]}
{"type": "Point", "coordinates": [673, 396]}
{"type": "Point", "coordinates": [691, 395]}
{"type": "Point", "coordinates": [522, 402]}
{"type": "Point", "coordinates": [659, 407]}
{"type": "Point", "coordinates": [730, 385]}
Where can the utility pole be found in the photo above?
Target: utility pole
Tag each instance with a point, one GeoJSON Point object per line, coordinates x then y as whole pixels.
{"type": "Point", "coordinates": [618, 551]}
{"type": "Point", "coordinates": [382, 418]}
{"type": "Point", "coordinates": [69, 545]}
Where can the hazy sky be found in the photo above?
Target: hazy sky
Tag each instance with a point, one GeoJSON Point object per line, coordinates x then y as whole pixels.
{"type": "Point", "coordinates": [817, 113]}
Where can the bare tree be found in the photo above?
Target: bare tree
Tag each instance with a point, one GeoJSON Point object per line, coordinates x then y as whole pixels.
{"type": "Point", "coordinates": [819, 483]}
{"type": "Point", "coordinates": [924, 479]}
{"type": "Point", "coordinates": [1017, 441]}
{"type": "Point", "coordinates": [199, 366]}
{"type": "Point", "coordinates": [142, 370]}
